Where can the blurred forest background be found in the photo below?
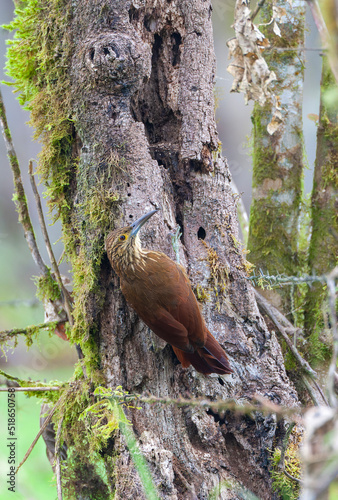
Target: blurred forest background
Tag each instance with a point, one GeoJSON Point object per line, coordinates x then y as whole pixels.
{"type": "Point", "coordinates": [53, 358]}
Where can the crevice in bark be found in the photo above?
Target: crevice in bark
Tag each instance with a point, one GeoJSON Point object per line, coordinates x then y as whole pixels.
{"type": "Point", "coordinates": [162, 124]}
{"type": "Point", "coordinates": [176, 52]}
{"type": "Point", "coordinates": [192, 431]}
{"type": "Point", "coordinates": [216, 416]}
{"type": "Point", "coordinates": [134, 14]}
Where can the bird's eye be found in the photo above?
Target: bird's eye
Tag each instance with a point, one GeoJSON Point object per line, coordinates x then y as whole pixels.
{"type": "Point", "coordinates": [122, 237]}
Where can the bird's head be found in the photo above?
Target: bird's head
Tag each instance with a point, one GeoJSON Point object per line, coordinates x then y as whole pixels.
{"type": "Point", "coordinates": [123, 245]}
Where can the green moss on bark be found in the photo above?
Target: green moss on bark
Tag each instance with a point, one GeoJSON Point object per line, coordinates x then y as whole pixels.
{"type": "Point", "coordinates": [39, 61]}
{"type": "Point", "coordinates": [278, 159]}
{"type": "Point", "coordinates": [323, 245]}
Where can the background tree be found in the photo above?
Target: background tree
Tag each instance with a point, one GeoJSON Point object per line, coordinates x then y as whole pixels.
{"type": "Point", "coordinates": [121, 94]}
{"type": "Point", "coordinates": [278, 166]}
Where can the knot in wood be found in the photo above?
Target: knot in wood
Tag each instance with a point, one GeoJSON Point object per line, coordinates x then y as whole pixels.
{"type": "Point", "coordinates": [120, 59]}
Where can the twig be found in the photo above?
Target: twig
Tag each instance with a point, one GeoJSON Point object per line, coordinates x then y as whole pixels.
{"type": "Point", "coordinates": [292, 477]}
{"type": "Point", "coordinates": [265, 406]}
{"type": "Point", "coordinates": [285, 444]}
{"type": "Point", "coordinates": [22, 383]}
{"type": "Point", "coordinates": [282, 455]}
{"type": "Point", "coordinates": [257, 9]}
{"type": "Point", "coordinates": [11, 377]}
{"type": "Point", "coordinates": [61, 257]}
{"type": "Point", "coordinates": [20, 196]}
{"type": "Point", "coordinates": [282, 279]}
{"type": "Point", "coordinates": [333, 365]}
{"type": "Point", "coordinates": [42, 428]}
{"type": "Point", "coordinates": [278, 318]}
{"type": "Point", "coordinates": [270, 311]}
{"type": "Point", "coordinates": [324, 35]}
{"type": "Point", "coordinates": [26, 330]}
{"type": "Point", "coordinates": [310, 390]}
{"type": "Point", "coordinates": [67, 299]}
{"type": "Point", "coordinates": [24, 217]}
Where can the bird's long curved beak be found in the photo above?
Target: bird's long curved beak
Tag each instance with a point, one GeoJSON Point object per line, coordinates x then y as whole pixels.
{"type": "Point", "coordinates": [142, 220]}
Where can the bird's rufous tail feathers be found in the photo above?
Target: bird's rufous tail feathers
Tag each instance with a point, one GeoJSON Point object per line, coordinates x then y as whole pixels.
{"type": "Point", "coordinates": [208, 359]}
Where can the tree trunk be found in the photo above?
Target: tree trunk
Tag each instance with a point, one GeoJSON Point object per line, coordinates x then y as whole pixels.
{"type": "Point", "coordinates": [278, 157]}
{"type": "Point", "coordinates": [323, 244]}
{"type": "Point", "coordinates": [145, 74]}
{"type": "Point", "coordinates": [141, 102]}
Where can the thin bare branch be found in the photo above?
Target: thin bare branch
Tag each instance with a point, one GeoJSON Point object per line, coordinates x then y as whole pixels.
{"type": "Point", "coordinates": [279, 320]}
{"type": "Point", "coordinates": [20, 196]}
{"type": "Point", "coordinates": [295, 479]}
{"type": "Point", "coordinates": [265, 406]}
{"type": "Point", "coordinates": [285, 445]}
{"type": "Point", "coordinates": [42, 428]}
{"type": "Point", "coordinates": [257, 9]}
{"type": "Point", "coordinates": [326, 38]}
{"type": "Point", "coordinates": [270, 311]}
{"type": "Point", "coordinates": [310, 390]}
{"type": "Point", "coordinates": [67, 299]}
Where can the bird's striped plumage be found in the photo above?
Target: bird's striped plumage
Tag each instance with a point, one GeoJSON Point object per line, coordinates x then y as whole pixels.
{"type": "Point", "coordinates": [160, 292]}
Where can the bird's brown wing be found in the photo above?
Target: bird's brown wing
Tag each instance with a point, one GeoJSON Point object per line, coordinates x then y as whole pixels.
{"type": "Point", "coordinates": [162, 296]}
{"type": "Point", "coordinates": [168, 329]}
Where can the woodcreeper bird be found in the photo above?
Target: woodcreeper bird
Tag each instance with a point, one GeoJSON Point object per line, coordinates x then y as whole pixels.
{"type": "Point", "coordinates": [160, 292]}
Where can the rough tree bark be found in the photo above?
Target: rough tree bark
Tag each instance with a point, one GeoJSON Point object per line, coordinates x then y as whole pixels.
{"type": "Point", "coordinates": [144, 72]}
{"type": "Point", "coordinates": [141, 105]}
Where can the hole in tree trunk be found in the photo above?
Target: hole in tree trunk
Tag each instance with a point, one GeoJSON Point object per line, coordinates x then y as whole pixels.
{"type": "Point", "coordinates": [201, 234]}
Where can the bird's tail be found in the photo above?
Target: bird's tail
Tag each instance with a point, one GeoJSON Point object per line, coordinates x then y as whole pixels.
{"type": "Point", "coordinates": [208, 359]}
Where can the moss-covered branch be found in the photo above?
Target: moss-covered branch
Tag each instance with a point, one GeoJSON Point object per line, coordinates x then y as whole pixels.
{"type": "Point", "coordinates": [31, 389]}
{"type": "Point", "coordinates": [28, 330]}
